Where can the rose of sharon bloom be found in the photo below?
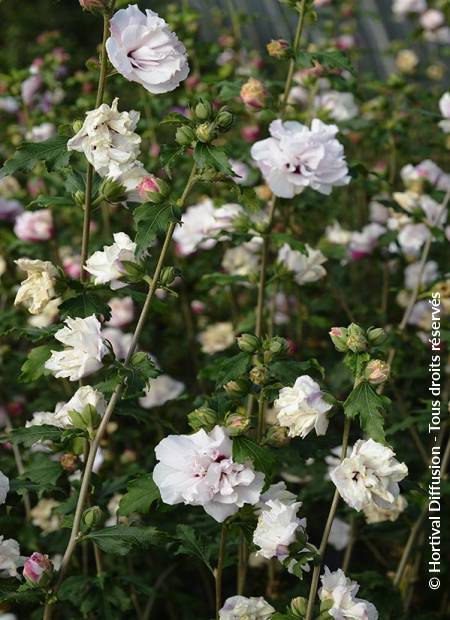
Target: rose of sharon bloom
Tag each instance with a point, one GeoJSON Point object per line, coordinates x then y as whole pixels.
{"type": "Point", "coordinates": [42, 516]}
{"type": "Point", "coordinates": [277, 491]}
{"type": "Point", "coordinates": [376, 514]}
{"type": "Point", "coordinates": [403, 7]}
{"type": "Point", "coordinates": [108, 140]}
{"type": "Point", "coordinates": [276, 528]}
{"type": "Point", "coordinates": [39, 287]}
{"type": "Point", "coordinates": [432, 19]}
{"type": "Point", "coordinates": [34, 225]}
{"type": "Point", "coordinates": [412, 237]}
{"type": "Point", "coordinates": [427, 170]}
{"type": "Point", "coordinates": [40, 133]}
{"type": "Point", "coordinates": [444, 107]}
{"type": "Point", "coordinates": [217, 337]}
{"type": "Point", "coordinates": [243, 608]}
{"type": "Point", "coordinates": [10, 558]}
{"type": "Point", "coordinates": [4, 487]}
{"type": "Point", "coordinates": [302, 408]}
{"type": "Point", "coordinates": [37, 569]}
{"type": "Point", "coordinates": [339, 534]}
{"type": "Point", "coordinates": [83, 352]}
{"type": "Point", "coordinates": [9, 209]}
{"type": "Point", "coordinates": [106, 266]}
{"type": "Point", "coordinates": [340, 106]}
{"type": "Point", "coordinates": [199, 470]}
{"type": "Point", "coordinates": [296, 156]}
{"type": "Point", "coordinates": [430, 273]}
{"type": "Point", "coordinates": [122, 311]}
{"type": "Point", "coordinates": [369, 475]}
{"type": "Point", "coordinates": [307, 266]}
{"type": "Point", "coordinates": [144, 50]}
{"type": "Point", "coordinates": [119, 341]}
{"type": "Point", "coordinates": [342, 592]}
{"type": "Point", "coordinates": [364, 242]}
{"type": "Point", "coordinates": [244, 259]}
{"type": "Point", "coordinates": [160, 390]}
{"type": "Point", "coordinates": [84, 396]}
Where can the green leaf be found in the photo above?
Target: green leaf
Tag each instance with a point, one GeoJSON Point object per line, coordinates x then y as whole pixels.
{"type": "Point", "coordinates": [52, 151]}
{"type": "Point", "coordinates": [169, 155]}
{"type": "Point", "coordinates": [226, 369]}
{"type": "Point", "coordinates": [140, 369]}
{"type": "Point", "coordinates": [141, 494]}
{"type": "Point", "coordinates": [192, 543]}
{"type": "Point", "coordinates": [287, 371]}
{"type": "Point", "coordinates": [84, 304]}
{"type": "Point", "coordinates": [369, 406]}
{"type": "Point", "coordinates": [209, 156]}
{"type": "Point", "coordinates": [331, 59]}
{"type": "Point", "coordinates": [33, 434]}
{"type": "Point", "coordinates": [151, 219]}
{"type": "Point", "coordinates": [245, 449]}
{"type": "Point", "coordinates": [282, 238]}
{"type": "Point", "coordinates": [42, 470]}
{"type": "Point", "coordinates": [121, 539]}
{"type": "Point", "coordinates": [33, 368]}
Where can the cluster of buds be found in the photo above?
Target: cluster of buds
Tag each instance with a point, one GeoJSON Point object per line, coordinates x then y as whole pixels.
{"type": "Point", "coordinates": [38, 570]}
{"type": "Point", "coordinates": [254, 94]}
{"type": "Point", "coordinates": [354, 339]}
{"type": "Point", "coordinates": [206, 124]}
{"type": "Point", "coordinates": [203, 417]}
{"type": "Point", "coordinates": [237, 422]}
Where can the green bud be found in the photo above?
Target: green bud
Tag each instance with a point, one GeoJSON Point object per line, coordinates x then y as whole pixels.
{"type": "Point", "coordinates": [203, 417]}
{"type": "Point", "coordinates": [87, 420]}
{"type": "Point", "coordinates": [237, 388]}
{"type": "Point", "coordinates": [112, 191]}
{"type": "Point", "coordinates": [91, 518]}
{"type": "Point", "coordinates": [298, 606]}
{"type": "Point", "coordinates": [184, 135]}
{"type": "Point", "coordinates": [224, 119]}
{"type": "Point", "coordinates": [278, 345]}
{"type": "Point", "coordinates": [203, 110]}
{"type": "Point", "coordinates": [78, 198]}
{"type": "Point", "coordinates": [134, 272]}
{"type": "Point", "coordinates": [326, 604]}
{"type": "Point", "coordinates": [356, 339]}
{"type": "Point", "coordinates": [376, 335]}
{"type": "Point", "coordinates": [76, 126]}
{"type": "Point", "coordinates": [167, 276]}
{"type": "Point", "coordinates": [249, 343]}
{"type": "Point", "coordinates": [277, 436]}
{"type": "Point", "coordinates": [237, 422]}
{"type": "Point", "coordinates": [258, 375]}
{"type": "Point", "coordinates": [338, 337]}
{"type": "Point", "coordinates": [205, 132]}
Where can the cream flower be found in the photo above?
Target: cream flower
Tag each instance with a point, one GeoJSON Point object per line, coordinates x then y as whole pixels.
{"type": "Point", "coordinates": [376, 514]}
{"type": "Point", "coordinates": [306, 267]}
{"type": "Point", "coordinates": [83, 352]}
{"type": "Point", "coordinates": [84, 396]}
{"type": "Point", "coordinates": [199, 470]}
{"type": "Point", "coordinates": [106, 266]}
{"type": "Point", "coordinates": [107, 140]}
{"type": "Point", "coordinates": [302, 408]}
{"type": "Point", "coordinates": [42, 516]}
{"type": "Point", "coordinates": [340, 106]}
{"type": "Point", "coordinates": [295, 157]}
{"type": "Point", "coordinates": [243, 608]}
{"type": "Point", "coordinates": [10, 558]}
{"type": "Point", "coordinates": [217, 337]}
{"type": "Point", "coordinates": [143, 49]}
{"type": "Point", "coordinates": [160, 390]}
{"type": "Point", "coordinates": [244, 259]}
{"type": "Point", "coordinates": [342, 592]}
{"type": "Point", "coordinates": [39, 287]}
{"type": "Point", "coordinates": [369, 475]}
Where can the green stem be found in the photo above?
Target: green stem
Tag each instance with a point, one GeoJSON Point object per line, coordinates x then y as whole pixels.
{"type": "Point", "coordinates": [295, 47]}
{"type": "Point", "coordinates": [219, 569]}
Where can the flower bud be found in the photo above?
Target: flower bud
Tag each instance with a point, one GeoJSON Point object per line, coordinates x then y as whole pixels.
{"type": "Point", "coordinates": [277, 48]}
{"type": "Point", "coordinates": [376, 372]}
{"type": "Point", "coordinates": [112, 191]}
{"type": "Point", "coordinates": [298, 606]}
{"type": "Point", "coordinates": [76, 126]}
{"type": "Point", "coordinates": [237, 388]}
{"type": "Point", "coordinates": [93, 5]}
{"type": "Point", "coordinates": [152, 189]}
{"type": "Point", "coordinates": [78, 198]}
{"type": "Point", "coordinates": [69, 462]}
{"type": "Point", "coordinates": [356, 340]}
{"type": "Point", "coordinates": [258, 375]}
{"type": "Point", "coordinates": [38, 570]}
{"type": "Point", "coordinates": [91, 518]}
{"type": "Point", "coordinates": [253, 93]}
{"type": "Point", "coordinates": [224, 119]}
{"type": "Point", "coordinates": [205, 132]}
{"type": "Point", "coordinates": [277, 436]}
{"type": "Point", "coordinates": [338, 337]}
{"type": "Point", "coordinates": [87, 420]}
{"type": "Point", "coordinates": [278, 345]}
{"type": "Point", "coordinates": [325, 605]}
{"type": "Point", "coordinates": [167, 276]}
{"type": "Point", "coordinates": [203, 110]}
{"type": "Point", "coordinates": [248, 343]}
{"type": "Point", "coordinates": [184, 135]}
{"type": "Point", "coordinates": [203, 417]}
{"type": "Point", "coordinates": [237, 422]}
{"type": "Point", "coordinates": [376, 335]}
{"type": "Point", "coordinates": [133, 272]}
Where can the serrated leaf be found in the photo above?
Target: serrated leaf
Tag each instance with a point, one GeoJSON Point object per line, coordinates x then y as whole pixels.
{"type": "Point", "coordinates": [287, 371]}
{"type": "Point", "coordinates": [42, 470]}
{"type": "Point", "coordinates": [140, 496]}
{"type": "Point", "coordinates": [209, 156]}
{"type": "Point", "coordinates": [151, 219]}
{"type": "Point", "coordinates": [140, 369]}
{"type": "Point", "coordinates": [33, 434]}
{"type": "Point", "coordinates": [84, 304]}
{"type": "Point", "coordinates": [193, 543]}
{"type": "Point", "coordinates": [331, 59]}
{"type": "Point", "coordinates": [282, 238]}
{"type": "Point", "coordinates": [52, 151]}
{"type": "Point", "coordinates": [246, 449]}
{"type": "Point", "coordinates": [364, 402]}
{"type": "Point", "coordinates": [121, 539]}
{"type": "Point", "coordinates": [226, 369]}
{"type": "Point", "coordinates": [33, 368]}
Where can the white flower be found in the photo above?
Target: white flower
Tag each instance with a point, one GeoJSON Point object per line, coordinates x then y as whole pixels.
{"type": "Point", "coordinates": [243, 608]}
{"type": "Point", "coordinates": [432, 19]}
{"type": "Point", "coordinates": [363, 243]}
{"type": "Point", "coordinates": [369, 475]}
{"type": "Point", "coordinates": [276, 528]}
{"type": "Point", "coordinates": [243, 260]}
{"type": "Point", "coordinates": [278, 492]}
{"type": "Point", "coordinates": [84, 396]}
{"type": "Point", "coordinates": [217, 337]}
{"type": "Point", "coordinates": [119, 341]}
{"type": "Point", "coordinates": [39, 287]}
{"type": "Point", "coordinates": [107, 140]}
{"type": "Point", "coordinates": [48, 314]}
{"type": "Point", "coordinates": [240, 170]}
{"type": "Point", "coordinates": [122, 311]}
{"type": "Point", "coordinates": [302, 408]}
{"type": "Point", "coordinates": [336, 234]}
{"type": "Point", "coordinates": [106, 266]}
{"type": "Point", "coordinates": [412, 237]}
{"type": "Point", "coordinates": [339, 534]}
{"type": "Point", "coordinates": [42, 516]}
{"type": "Point", "coordinates": [10, 558]}
{"type": "Point", "coordinates": [131, 179]}
{"type": "Point", "coordinates": [199, 470]}
{"type": "Point", "coordinates": [34, 226]}
{"type": "Point", "coordinates": [160, 390]}
{"type": "Point", "coordinates": [427, 170]}
{"type": "Point", "coordinates": [307, 266]}
{"type": "Point", "coordinates": [403, 7]}
{"type": "Point", "coordinates": [296, 157]}
{"type": "Point", "coordinates": [40, 133]}
{"type": "Point", "coordinates": [376, 514]}
{"type": "Point", "coordinates": [143, 49]}
{"type": "Point", "coordinates": [444, 107]}
{"type": "Point", "coordinates": [340, 106]}
{"type": "Point", "coordinates": [83, 352]}
{"type": "Point", "coordinates": [4, 487]}
{"type": "Point", "coordinates": [430, 274]}
{"type": "Point", "coordinates": [43, 417]}
{"type": "Point", "coordinates": [378, 212]}
{"type": "Point", "coordinates": [342, 592]}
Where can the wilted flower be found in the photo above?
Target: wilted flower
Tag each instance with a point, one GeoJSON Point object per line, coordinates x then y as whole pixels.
{"type": "Point", "coordinates": [160, 390]}
{"type": "Point", "coordinates": [341, 593]}
{"type": "Point", "coordinates": [107, 266]}
{"type": "Point", "coordinates": [34, 225]}
{"type": "Point", "coordinates": [369, 475]}
{"type": "Point", "coordinates": [277, 48]}
{"type": "Point", "coordinates": [376, 372]}
{"type": "Point", "coordinates": [406, 61]}
{"type": "Point", "coordinates": [39, 287]}
{"type": "Point", "coordinates": [243, 608]}
{"type": "Point", "coordinates": [144, 50]}
{"type": "Point", "coordinates": [38, 569]}
{"type": "Point", "coordinates": [10, 558]}
{"type": "Point", "coordinates": [377, 514]}
{"type": "Point", "coordinates": [295, 157]}
{"type": "Point", "coordinates": [199, 470]}
{"type": "Point", "coordinates": [217, 337]}
{"type": "Point", "coordinates": [302, 408]}
{"type": "Point", "coordinates": [253, 93]}
{"type": "Point", "coordinates": [306, 266]}
{"type": "Point", "coordinates": [340, 106]}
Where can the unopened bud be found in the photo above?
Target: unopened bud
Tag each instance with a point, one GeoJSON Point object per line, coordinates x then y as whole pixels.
{"type": "Point", "coordinates": [277, 436]}
{"type": "Point", "coordinates": [325, 605]}
{"type": "Point", "coordinates": [167, 276]}
{"type": "Point", "coordinates": [338, 337]}
{"type": "Point", "coordinates": [91, 518]}
{"type": "Point", "coordinates": [88, 419]}
{"type": "Point", "coordinates": [298, 606]}
{"type": "Point", "coordinates": [356, 340]}
{"type": "Point", "coordinates": [224, 119]}
{"type": "Point", "coordinates": [203, 417]}
{"type": "Point", "coordinates": [112, 191]}
{"type": "Point", "coordinates": [76, 126]}
{"type": "Point", "coordinates": [94, 6]}
{"type": "Point", "coordinates": [278, 345]}
{"type": "Point", "coordinates": [237, 423]}
{"type": "Point", "coordinates": [277, 48]}
{"type": "Point", "coordinates": [38, 570]}
{"type": "Point", "coordinates": [253, 93]}
{"type": "Point", "coordinates": [248, 343]}
{"type": "Point", "coordinates": [152, 189]}
{"type": "Point", "coordinates": [376, 372]}
{"type": "Point", "coordinates": [133, 272]}
{"type": "Point", "coordinates": [184, 135]}
{"type": "Point", "coordinates": [69, 462]}
{"type": "Point", "coordinates": [258, 375]}
{"type": "Point", "coordinates": [237, 388]}
{"type": "Point", "coordinates": [78, 198]}
{"type": "Point", "coordinates": [203, 110]}
{"type": "Point", "coordinates": [376, 335]}
{"type": "Point", "coordinates": [205, 132]}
